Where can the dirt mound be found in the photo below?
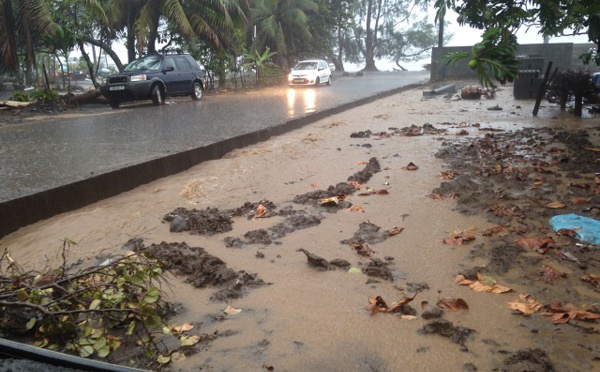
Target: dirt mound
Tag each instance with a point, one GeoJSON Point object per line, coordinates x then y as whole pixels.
{"type": "Point", "coordinates": [199, 268]}
{"type": "Point", "coordinates": [445, 328]}
{"type": "Point", "coordinates": [535, 360]}
{"type": "Point", "coordinates": [202, 222]}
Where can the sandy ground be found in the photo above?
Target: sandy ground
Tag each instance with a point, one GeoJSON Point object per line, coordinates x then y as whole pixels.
{"type": "Point", "coordinates": [311, 320]}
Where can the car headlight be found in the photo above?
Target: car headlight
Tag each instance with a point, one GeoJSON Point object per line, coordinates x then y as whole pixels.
{"type": "Point", "coordinates": [138, 77]}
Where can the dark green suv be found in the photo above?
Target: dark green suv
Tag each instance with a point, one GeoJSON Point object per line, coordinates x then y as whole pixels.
{"type": "Point", "coordinates": [154, 77]}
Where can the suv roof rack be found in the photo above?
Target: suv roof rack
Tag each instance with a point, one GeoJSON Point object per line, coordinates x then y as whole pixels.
{"type": "Point", "coordinates": [163, 52]}
{"type": "Point", "coordinates": [170, 51]}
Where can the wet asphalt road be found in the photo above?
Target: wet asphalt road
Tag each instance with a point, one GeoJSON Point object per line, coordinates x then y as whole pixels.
{"type": "Point", "coordinates": [42, 155]}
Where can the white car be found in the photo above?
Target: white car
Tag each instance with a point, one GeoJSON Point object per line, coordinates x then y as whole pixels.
{"type": "Point", "coordinates": [310, 72]}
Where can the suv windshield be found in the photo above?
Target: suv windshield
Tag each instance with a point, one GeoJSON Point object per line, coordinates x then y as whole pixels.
{"type": "Point", "coordinates": [306, 66]}
{"type": "Point", "coordinates": [149, 63]}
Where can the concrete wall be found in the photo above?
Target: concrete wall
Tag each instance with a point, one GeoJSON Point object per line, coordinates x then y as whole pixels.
{"type": "Point", "coordinates": [563, 55]}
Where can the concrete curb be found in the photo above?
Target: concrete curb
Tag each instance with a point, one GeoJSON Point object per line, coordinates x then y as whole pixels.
{"type": "Point", "coordinates": [29, 209]}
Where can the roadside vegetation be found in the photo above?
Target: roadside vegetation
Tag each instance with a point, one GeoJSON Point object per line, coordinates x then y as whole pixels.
{"type": "Point", "coordinates": [92, 312]}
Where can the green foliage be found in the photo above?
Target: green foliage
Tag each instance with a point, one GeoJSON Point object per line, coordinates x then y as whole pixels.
{"type": "Point", "coordinates": [90, 312]}
{"type": "Point", "coordinates": [44, 95]}
{"type": "Point", "coordinates": [259, 61]}
{"type": "Point", "coordinates": [493, 55]}
{"type": "Point", "coordinates": [20, 96]}
{"type": "Point", "coordinates": [271, 74]}
{"type": "Point", "coordinates": [555, 18]}
{"type": "Point", "coordinates": [36, 95]}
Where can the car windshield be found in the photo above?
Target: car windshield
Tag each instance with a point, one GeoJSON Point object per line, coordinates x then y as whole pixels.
{"type": "Point", "coordinates": [306, 66]}
{"type": "Point", "coordinates": [150, 63]}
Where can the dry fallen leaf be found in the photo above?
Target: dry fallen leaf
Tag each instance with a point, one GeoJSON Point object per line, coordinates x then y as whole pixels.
{"type": "Point", "coordinates": [330, 201]}
{"type": "Point", "coordinates": [261, 211]}
{"type": "Point", "coordinates": [189, 340]}
{"type": "Point", "coordinates": [183, 328]}
{"type": "Point", "coordinates": [448, 175]}
{"type": "Point", "coordinates": [556, 205]}
{"type": "Point", "coordinates": [377, 304]}
{"type": "Point", "coordinates": [593, 279]}
{"type": "Point", "coordinates": [494, 230]}
{"type": "Point", "coordinates": [560, 314]}
{"type": "Point", "coordinates": [452, 304]}
{"type": "Point", "coordinates": [232, 311]}
{"type": "Point", "coordinates": [549, 274]}
{"type": "Point", "coordinates": [487, 284]}
{"type": "Point", "coordinates": [495, 288]}
{"type": "Point", "coordinates": [527, 305]}
{"type": "Point", "coordinates": [356, 208]}
{"type": "Point", "coordinates": [506, 211]}
{"type": "Point", "coordinates": [396, 230]}
{"type": "Point", "coordinates": [540, 245]}
{"type": "Point", "coordinates": [571, 233]}
{"type": "Point", "coordinates": [460, 279]}
{"type": "Point", "coordinates": [411, 167]}
{"type": "Point", "coordinates": [460, 237]}
{"type": "Point", "coordinates": [580, 200]}
{"type": "Point", "coordinates": [362, 249]}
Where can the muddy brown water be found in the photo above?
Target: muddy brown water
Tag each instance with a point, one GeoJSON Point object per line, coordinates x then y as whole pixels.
{"type": "Point", "coordinates": [311, 320]}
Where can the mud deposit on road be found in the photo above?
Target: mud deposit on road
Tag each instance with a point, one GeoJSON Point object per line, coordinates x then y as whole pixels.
{"type": "Point", "coordinates": [407, 234]}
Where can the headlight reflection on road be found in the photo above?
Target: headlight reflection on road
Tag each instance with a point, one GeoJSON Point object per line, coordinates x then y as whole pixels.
{"type": "Point", "coordinates": [291, 99]}
{"type": "Point", "coordinates": [308, 97]}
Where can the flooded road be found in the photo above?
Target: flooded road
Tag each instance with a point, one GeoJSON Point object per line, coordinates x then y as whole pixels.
{"type": "Point", "coordinates": [310, 320]}
{"type": "Point", "coordinates": [52, 151]}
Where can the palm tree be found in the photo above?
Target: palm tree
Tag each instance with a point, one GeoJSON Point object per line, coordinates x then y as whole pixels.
{"type": "Point", "coordinates": [210, 20]}
{"type": "Point", "coordinates": [280, 22]}
{"type": "Point", "coordinates": [21, 23]}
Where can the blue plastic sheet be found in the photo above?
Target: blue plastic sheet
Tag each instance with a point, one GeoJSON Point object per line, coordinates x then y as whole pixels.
{"type": "Point", "coordinates": [590, 228]}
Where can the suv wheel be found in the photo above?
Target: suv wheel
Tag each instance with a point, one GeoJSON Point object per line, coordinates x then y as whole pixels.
{"type": "Point", "coordinates": [196, 91]}
{"type": "Point", "coordinates": [157, 96]}
{"type": "Point", "coordinates": [114, 103]}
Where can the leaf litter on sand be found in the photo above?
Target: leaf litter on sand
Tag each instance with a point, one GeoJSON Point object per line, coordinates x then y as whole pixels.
{"type": "Point", "coordinates": [482, 284]}
{"type": "Point", "coordinates": [452, 304]}
{"type": "Point", "coordinates": [460, 237]}
{"type": "Point", "coordinates": [378, 305]}
{"type": "Point", "coordinates": [540, 245]}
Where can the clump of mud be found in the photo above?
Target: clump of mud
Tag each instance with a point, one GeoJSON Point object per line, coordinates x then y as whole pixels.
{"type": "Point", "coordinates": [445, 328]}
{"type": "Point", "coordinates": [379, 269]}
{"type": "Point", "coordinates": [322, 264]}
{"type": "Point", "coordinates": [342, 189]}
{"type": "Point", "coordinates": [531, 360]}
{"type": "Point", "coordinates": [209, 221]}
{"type": "Point", "coordinates": [200, 268]}
{"type": "Point", "coordinates": [367, 233]}
{"type": "Point", "coordinates": [293, 222]}
{"type": "Point", "coordinates": [365, 175]}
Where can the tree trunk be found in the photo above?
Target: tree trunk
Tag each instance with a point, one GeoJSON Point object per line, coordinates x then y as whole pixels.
{"type": "Point", "coordinates": [89, 63]}
{"type": "Point", "coordinates": [578, 104]}
{"type": "Point", "coordinates": [369, 52]}
{"type": "Point", "coordinates": [78, 99]}
{"type": "Point", "coordinates": [130, 40]}
{"type": "Point", "coordinates": [441, 31]}
{"type": "Point", "coordinates": [107, 49]}
{"type": "Point", "coordinates": [338, 61]}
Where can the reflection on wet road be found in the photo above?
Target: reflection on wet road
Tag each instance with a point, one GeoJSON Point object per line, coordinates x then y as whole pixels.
{"type": "Point", "coordinates": [45, 154]}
